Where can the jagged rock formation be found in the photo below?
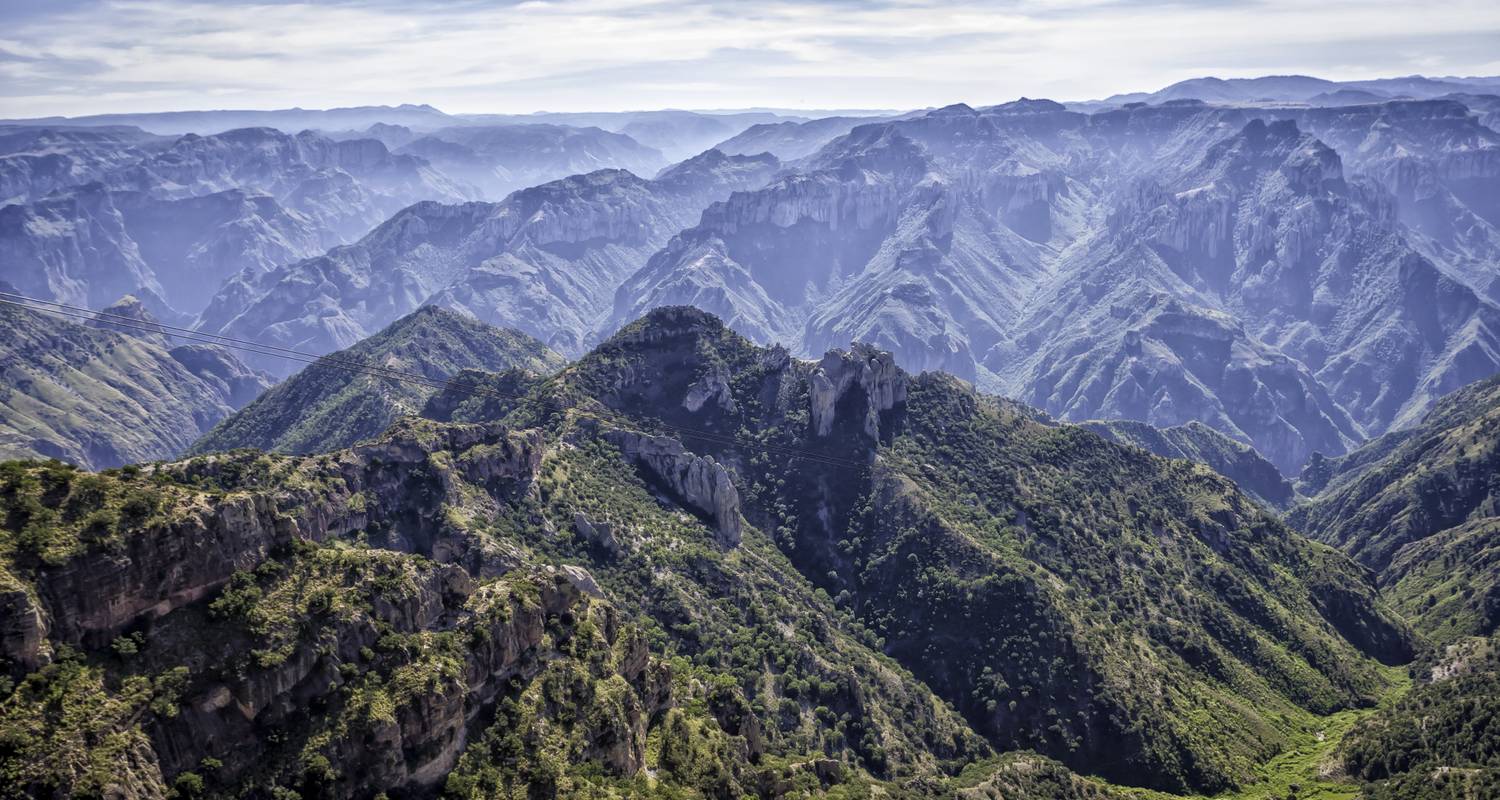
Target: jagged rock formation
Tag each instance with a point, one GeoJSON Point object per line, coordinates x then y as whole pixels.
{"type": "Point", "coordinates": [346, 186]}
{"type": "Point", "coordinates": [36, 161]}
{"type": "Point", "coordinates": [1331, 263]}
{"type": "Point", "coordinates": [956, 476]}
{"type": "Point", "coordinates": [1251, 472]}
{"type": "Point", "coordinates": [387, 672]}
{"type": "Point", "coordinates": [775, 569]}
{"type": "Point", "coordinates": [99, 399]}
{"type": "Point", "coordinates": [863, 369]}
{"type": "Point", "coordinates": [546, 261]}
{"type": "Point", "coordinates": [332, 404]}
{"type": "Point", "coordinates": [698, 482]}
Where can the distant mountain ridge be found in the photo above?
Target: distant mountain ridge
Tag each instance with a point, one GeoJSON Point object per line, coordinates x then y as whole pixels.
{"type": "Point", "coordinates": [1303, 89]}
{"type": "Point", "coordinates": [176, 222]}
{"type": "Point", "coordinates": [547, 260]}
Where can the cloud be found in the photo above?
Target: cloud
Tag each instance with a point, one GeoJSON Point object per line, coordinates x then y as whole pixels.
{"type": "Point", "coordinates": [94, 56]}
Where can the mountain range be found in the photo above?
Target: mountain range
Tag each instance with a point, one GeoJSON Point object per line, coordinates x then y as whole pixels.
{"type": "Point", "coordinates": [1141, 448]}
{"type": "Point", "coordinates": [738, 609]}
{"type": "Point", "coordinates": [341, 400]}
{"type": "Point", "coordinates": [546, 260]}
{"type": "Point", "coordinates": [1308, 90]}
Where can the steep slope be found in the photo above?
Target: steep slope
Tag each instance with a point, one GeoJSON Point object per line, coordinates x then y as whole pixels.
{"type": "Point", "coordinates": [1440, 164]}
{"type": "Point", "coordinates": [90, 245]}
{"type": "Point", "coordinates": [1442, 740]}
{"type": "Point", "coordinates": [546, 261]}
{"type": "Point", "coordinates": [1422, 508]}
{"type": "Point", "coordinates": [958, 526]}
{"type": "Point", "coordinates": [346, 186]}
{"type": "Point", "coordinates": [279, 654]}
{"type": "Point", "coordinates": [330, 404]}
{"type": "Point", "coordinates": [98, 398]}
{"type": "Point", "coordinates": [869, 242]}
{"type": "Point", "coordinates": [1331, 327]}
{"type": "Point", "coordinates": [1251, 472]}
{"type": "Point", "coordinates": [1164, 264]}
{"type": "Point", "coordinates": [565, 601]}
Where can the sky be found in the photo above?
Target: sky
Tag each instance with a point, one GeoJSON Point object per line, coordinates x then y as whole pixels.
{"type": "Point", "coordinates": [74, 57]}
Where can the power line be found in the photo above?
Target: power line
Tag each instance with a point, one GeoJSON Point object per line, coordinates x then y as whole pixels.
{"type": "Point", "coordinates": [400, 376]}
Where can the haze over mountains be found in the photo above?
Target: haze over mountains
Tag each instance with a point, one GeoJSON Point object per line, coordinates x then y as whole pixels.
{"type": "Point", "coordinates": [1296, 267]}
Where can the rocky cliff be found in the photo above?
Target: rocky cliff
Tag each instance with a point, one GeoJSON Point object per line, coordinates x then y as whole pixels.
{"type": "Point", "coordinates": [178, 219]}
{"type": "Point", "coordinates": [1019, 246]}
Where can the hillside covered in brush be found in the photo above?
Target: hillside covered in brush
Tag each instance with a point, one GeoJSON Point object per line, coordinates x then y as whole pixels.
{"type": "Point", "coordinates": [342, 398]}
{"type": "Point", "coordinates": [1422, 508]}
{"type": "Point", "coordinates": [684, 565]}
{"type": "Point", "coordinates": [105, 395]}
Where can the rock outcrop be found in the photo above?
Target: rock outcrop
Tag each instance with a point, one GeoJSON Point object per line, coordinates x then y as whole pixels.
{"type": "Point", "coordinates": [700, 482]}
{"type": "Point", "coordinates": [880, 385]}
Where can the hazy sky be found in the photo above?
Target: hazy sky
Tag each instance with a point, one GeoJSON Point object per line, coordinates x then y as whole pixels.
{"type": "Point", "coordinates": [91, 56]}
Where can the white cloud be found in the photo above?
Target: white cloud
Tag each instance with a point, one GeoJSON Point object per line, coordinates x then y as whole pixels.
{"type": "Point", "coordinates": [139, 55]}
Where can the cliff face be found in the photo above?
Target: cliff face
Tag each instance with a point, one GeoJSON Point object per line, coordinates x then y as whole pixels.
{"type": "Point", "coordinates": [957, 525]}
{"type": "Point", "coordinates": [37, 160]}
{"type": "Point", "coordinates": [393, 617]}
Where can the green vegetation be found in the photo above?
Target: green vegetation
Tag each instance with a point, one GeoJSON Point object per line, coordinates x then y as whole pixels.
{"type": "Point", "coordinates": [1124, 599]}
{"type": "Point", "coordinates": [1420, 508]}
{"type": "Point", "coordinates": [1251, 472]}
{"type": "Point", "coordinates": [326, 405]}
{"type": "Point", "coordinates": [1442, 740]}
{"type": "Point", "coordinates": [994, 607]}
{"type": "Point", "coordinates": [52, 510]}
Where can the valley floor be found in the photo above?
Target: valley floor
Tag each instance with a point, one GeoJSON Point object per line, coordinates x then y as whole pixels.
{"type": "Point", "coordinates": [1307, 770]}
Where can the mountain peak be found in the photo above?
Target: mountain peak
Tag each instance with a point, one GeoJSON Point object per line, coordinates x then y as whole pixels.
{"type": "Point", "coordinates": [670, 321]}
{"type": "Point", "coordinates": [327, 406]}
